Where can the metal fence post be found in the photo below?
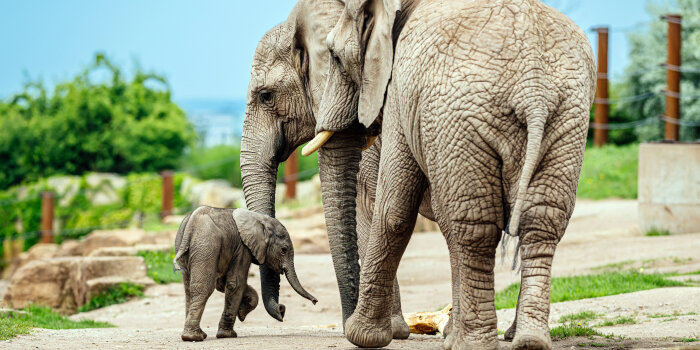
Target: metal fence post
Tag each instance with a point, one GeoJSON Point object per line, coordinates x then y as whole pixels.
{"type": "Point", "coordinates": [602, 105]}
{"type": "Point", "coordinates": [47, 206]}
{"type": "Point", "coordinates": [673, 77]}
{"type": "Point", "coordinates": [167, 208]}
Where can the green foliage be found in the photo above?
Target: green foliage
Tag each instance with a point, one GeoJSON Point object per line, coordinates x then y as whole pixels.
{"type": "Point", "coordinates": [609, 172]}
{"type": "Point", "coordinates": [591, 286]}
{"type": "Point", "coordinates": [14, 323]}
{"type": "Point", "coordinates": [648, 48]}
{"type": "Point", "coordinates": [113, 295]}
{"type": "Point", "coordinates": [115, 126]}
{"type": "Point", "coordinates": [223, 162]}
{"type": "Point", "coordinates": [160, 266]}
{"type": "Point", "coordinates": [689, 340]}
{"type": "Point", "coordinates": [657, 232]}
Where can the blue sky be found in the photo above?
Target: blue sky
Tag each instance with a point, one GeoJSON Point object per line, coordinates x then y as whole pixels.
{"type": "Point", "coordinates": [204, 48]}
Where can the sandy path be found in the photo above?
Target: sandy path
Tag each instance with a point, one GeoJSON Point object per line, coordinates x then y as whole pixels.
{"type": "Point", "coordinates": [600, 233]}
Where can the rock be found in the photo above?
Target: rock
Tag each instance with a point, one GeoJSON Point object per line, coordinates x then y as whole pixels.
{"type": "Point", "coordinates": [66, 188]}
{"type": "Point", "coordinates": [38, 251]}
{"type": "Point", "coordinates": [65, 284]}
{"type": "Point", "coordinates": [111, 238]}
{"type": "Point", "coordinates": [130, 251]}
{"type": "Point", "coordinates": [159, 238]}
{"type": "Point", "coordinates": [216, 193]}
{"type": "Point", "coordinates": [70, 247]}
{"type": "Point", "coordinates": [104, 188]}
{"type": "Point", "coordinates": [173, 219]}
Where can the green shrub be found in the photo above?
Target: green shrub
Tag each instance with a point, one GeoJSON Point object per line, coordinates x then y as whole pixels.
{"type": "Point", "coordinates": [654, 232]}
{"type": "Point", "coordinates": [14, 323]}
{"type": "Point", "coordinates": [571, 330]}
{"type": "Point", "coordinates": [116, 126]}
{"type": "Point", "coordinates": [113, 295]}
{"type": "Point", "coordinates": [609, 172]}
{"type": "Point", "coordinates": [160, 266]}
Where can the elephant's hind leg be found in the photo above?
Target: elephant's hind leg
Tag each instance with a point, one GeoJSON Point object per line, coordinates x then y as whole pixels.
{"type": "Point", "coordinates": [399, 193]}
{"type": "Point", "coordinates": [551, 198]}
{"type": "Point", "coordinates": [202, 278]}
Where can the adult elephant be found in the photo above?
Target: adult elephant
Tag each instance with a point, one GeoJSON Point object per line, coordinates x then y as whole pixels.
{"type": "Point", "coordinates": [486, 102]}
{"type": "Point", "coordinates": [287, 79]}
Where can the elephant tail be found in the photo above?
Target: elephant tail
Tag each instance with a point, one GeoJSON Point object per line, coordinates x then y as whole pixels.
{"type": "Point", "coordinates": [535, 132]}
{"type": "Point", "coordinates": [182, 242]}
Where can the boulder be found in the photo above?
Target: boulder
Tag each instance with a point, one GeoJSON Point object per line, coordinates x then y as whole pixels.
{"type": "Point", "coordinates": [65, 284]}
{"type": "Point", "coordinates": [130, 251]}
{"type": "Point", "coordinates": [66, 188]}
{"type": "Point", "coordinates": [215, 193]}
{"type": "Point", "coordinates": [38, 251]}
{"type": "Point", "coordinates": [103, 188]}
{"type": "Point", "coordinates": [70, 247]}
{"type": "Point", "coordinates": [111, 238]}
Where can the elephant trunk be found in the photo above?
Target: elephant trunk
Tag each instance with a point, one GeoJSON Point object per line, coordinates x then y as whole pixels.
{"type": "Point", "coordinates": [259, 179]}
{"type": "Point", "coordinates": [291, 274]}
{"type": "Point", "coordinates": [339, 163]}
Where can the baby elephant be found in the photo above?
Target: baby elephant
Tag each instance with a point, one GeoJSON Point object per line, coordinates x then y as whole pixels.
{"type": "Point", "coordinates": [215, 248]}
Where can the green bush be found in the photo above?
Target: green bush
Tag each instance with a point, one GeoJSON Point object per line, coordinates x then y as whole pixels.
{"type": "Point", "coordinates": [223, 162]}
{"type": "Point", "coordinates": [117, 126]}
{"type": "Point", "coordinates": [113, 295]}
{"type": "Point", "coordinates": [160, 266]}
{"type": "Point", "coordinates": [609, 172]}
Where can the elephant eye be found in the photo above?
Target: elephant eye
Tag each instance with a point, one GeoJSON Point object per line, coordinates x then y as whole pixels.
{"type": "Point", "coordinates": [284, 250]}
{"type": "Point", "coordinates": [265, 96]}
{"type": "Point", "coordinates": [336, 59]}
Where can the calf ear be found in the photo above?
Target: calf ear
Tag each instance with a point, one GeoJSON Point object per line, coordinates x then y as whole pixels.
{"type": "Point", "coordinates": [252, 230]}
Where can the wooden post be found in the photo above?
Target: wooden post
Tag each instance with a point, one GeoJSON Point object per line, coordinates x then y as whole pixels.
{"type": "Point", "coordinates": [167, 208]}
{"type": "Point", "coordinates": [602, 105]}
{"type": "Point", "coordinates": [47, 204]}
{"type": "Point", "coordinates": [291, 169]}
{"type": "Point", "coordinates": [673, 77]}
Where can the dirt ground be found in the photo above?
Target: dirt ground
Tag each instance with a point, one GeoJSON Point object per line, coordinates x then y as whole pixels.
{"type": "Point", "coordinates": [600, 233]}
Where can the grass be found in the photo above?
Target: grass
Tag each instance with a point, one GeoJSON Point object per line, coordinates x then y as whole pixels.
{"type": "Point", "coordinates": [675, 314]}
{"type": "Point", "coordinates": [583, 316]}
{"type": "Point", "coordinates": [591, 286]}
{"type": "Point", "coordinates": [571, 330]}
{"type": "Point", "coordinates": [618, 321]}
{"type": "Point", "coordinates": [654, 232]}
{"type": "Point", "coordinates": [689, 340]}
{"type": "Point", "coordinates": [609, 172]}
{"type": "Point", "coordinates": [113, 295]}
{"type": "Point", "coordinates": [160, 266]}
{"type": "Point", "coordinates": [16, 323]}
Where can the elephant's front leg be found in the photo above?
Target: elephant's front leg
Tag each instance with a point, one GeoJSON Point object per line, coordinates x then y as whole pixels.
{"type": "Point", "coordinates": [366, 191]}
{"type": "Point", "coordinates": [399, 193]}
{"type": "Point", "coordinates": [235, 286]}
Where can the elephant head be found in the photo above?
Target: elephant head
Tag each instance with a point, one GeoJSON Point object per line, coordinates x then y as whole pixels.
{"type": "Point", "coordinates": [288, 74]}
{"type": "Point", "coordinates": [270, 244]}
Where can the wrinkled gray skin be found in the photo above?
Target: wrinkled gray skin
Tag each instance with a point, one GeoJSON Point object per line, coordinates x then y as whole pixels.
{"type": "Point", "coordinates": [287, 79]}
{"type": "Point", "coordinates": [487, 103]}
{"type": "Point", "coordinates": [215, 247]}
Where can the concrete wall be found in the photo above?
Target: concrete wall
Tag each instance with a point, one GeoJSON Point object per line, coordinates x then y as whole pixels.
{"type": "Point", "coordinates": [669, 187]}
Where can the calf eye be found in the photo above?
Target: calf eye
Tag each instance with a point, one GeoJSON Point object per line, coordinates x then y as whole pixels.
{"type": "Point", "coordinates": [284, 250]}
{"type": "Point", "coordinates": [265, 96]}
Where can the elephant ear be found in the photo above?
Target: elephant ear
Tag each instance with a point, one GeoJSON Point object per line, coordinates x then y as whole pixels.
{"type": "Point", "coordinates": [376, 24]}
{"type": "Point", "coordinates": [252, 231]}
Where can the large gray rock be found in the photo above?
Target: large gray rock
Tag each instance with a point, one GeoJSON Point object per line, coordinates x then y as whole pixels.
{"type": "Point", "coordinates": [103, 188]}
{"type": "Point", "coordinates": [65, 187]}
{"type": "Point", "coordinates": [216, 193]}
{"type": "Point", "coordinates": [65, 284]}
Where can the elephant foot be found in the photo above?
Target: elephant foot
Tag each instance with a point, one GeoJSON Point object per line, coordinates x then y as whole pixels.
{"type": "Point", "coordinates": [457, 341]}
{"type": "Point", "coordinates": [510, 333]}
{"type": "Point", "coordinates": [193, 335]}
{"type": "Point", "coordinates": [399, 327]}
{"type": "Point", "coordinates": [531, 340]}
{"type": "Point", "coordinates": [368, 333]}
{"type": "Point", "coordinates": [226, 333]}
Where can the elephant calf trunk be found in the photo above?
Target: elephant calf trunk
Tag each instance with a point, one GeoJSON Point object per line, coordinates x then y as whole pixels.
{"type": "Point", "coordinates": [291, 274]}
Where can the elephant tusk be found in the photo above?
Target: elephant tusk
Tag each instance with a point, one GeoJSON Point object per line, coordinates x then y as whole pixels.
{"type": "Point", "coordinates": [318, 142]}
{"type": "Point", "coordinates": [370, 142]}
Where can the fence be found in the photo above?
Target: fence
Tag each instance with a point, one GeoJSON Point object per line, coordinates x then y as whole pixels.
{"type": "Point", "coordinates": [674, 71]}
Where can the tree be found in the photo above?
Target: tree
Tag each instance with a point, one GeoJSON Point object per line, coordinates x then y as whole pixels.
{"type": "Point", "coordinates": [648, 49]}
{"type": "Point", "coordinates": [116, 126]}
